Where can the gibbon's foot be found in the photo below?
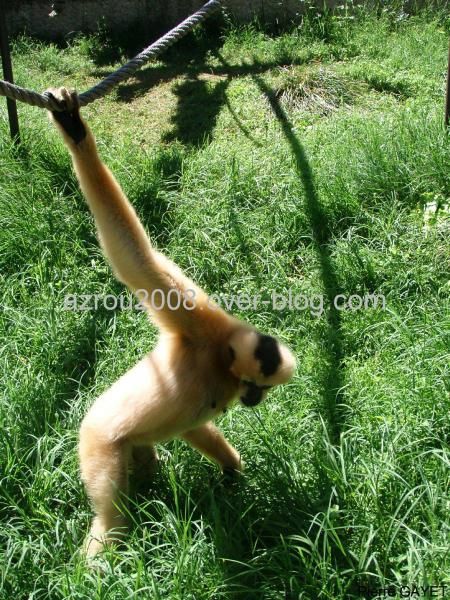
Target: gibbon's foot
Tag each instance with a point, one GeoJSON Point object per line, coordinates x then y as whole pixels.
{"type": "Point", "coordinates": [230, 472]}
{"type": "Point", "coordinates": [93, 547]}
{"type": "Point", "coordinates": [100, 537]}
{"type": "Point", "coordinates": [234, 472]}
{"type": "Point", "coordinates": [145, 460]}
{"type": "Point", "coordinates": [69, 118]}
{"type": "Point", "coordinates": [231, 477]}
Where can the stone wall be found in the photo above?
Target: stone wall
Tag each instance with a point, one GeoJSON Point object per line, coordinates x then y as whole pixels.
{"type": "Point", "coordinates": [60, 18]}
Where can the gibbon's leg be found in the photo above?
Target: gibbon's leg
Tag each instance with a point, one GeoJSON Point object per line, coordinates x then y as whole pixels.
{"type": "Point", "coordinates": [210, 441]}
{"type": "Point", "coordinates": [103, 467]}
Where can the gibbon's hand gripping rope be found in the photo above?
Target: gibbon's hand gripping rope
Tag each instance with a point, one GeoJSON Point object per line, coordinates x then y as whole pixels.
{"type": "Point", "coordinates": [124, 72]}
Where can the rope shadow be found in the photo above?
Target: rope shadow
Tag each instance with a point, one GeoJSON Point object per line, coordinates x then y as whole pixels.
{"type": "Point", "coordinates": [193, 65]}
{"type": "Point", "coordinates": [321, 233]}
{"type": "Point", "coordinates": [245, 247]}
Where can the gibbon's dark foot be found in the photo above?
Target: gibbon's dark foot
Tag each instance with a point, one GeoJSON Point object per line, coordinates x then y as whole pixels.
{"type": "Point", "coordinates": [231, 477]}
{"type": "Point", "coordinates": [69, 118]}
{"type": "Point", "coordinates": [145, 460]}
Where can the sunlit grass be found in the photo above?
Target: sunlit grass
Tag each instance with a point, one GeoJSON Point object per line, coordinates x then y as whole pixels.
{"type": "Point", "coordinates": [301, 161]}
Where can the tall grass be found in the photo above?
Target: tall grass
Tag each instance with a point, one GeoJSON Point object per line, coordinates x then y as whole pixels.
{"type": "Point", "coordinates": [308, 167]}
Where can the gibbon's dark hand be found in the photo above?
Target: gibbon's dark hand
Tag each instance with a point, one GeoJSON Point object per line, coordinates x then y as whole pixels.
{"type": "Point", "coordinates": [68, 119]}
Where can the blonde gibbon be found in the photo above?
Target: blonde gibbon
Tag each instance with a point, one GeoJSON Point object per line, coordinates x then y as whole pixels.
{"type": "Point", "coordinates": [204, 358]}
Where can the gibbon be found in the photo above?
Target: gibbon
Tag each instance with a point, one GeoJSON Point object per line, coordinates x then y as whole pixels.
{"type": "Point", "coordinates": [204, 358]}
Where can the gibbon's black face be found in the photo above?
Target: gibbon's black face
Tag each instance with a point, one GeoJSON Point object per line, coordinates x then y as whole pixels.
{"type": "Point", "coordinates": [267, 354]}
{"type": "Point", "coordinates": [259, 362]}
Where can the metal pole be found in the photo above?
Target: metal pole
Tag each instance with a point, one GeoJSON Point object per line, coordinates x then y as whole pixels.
{"type": "Point", "coordinates": [8, 74]}
{"type": "Point", "coordinates": [447, 102]}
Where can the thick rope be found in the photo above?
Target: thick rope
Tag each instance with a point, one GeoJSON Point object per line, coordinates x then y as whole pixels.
{"type": "Point", "coordinates": [104, 87]}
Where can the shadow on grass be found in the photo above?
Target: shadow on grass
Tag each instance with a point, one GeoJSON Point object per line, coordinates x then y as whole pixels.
{"type": "Point", "coordinates": [199, 104]}
{"type": "Point", "coordinates": [256, 524]}
{"type": "Point", "coordinates": [200, 89]}
{"type": "Point", "coordinates": [247, 526]}
{"type": "Point", "coordinates": [321, 234]}
{"type": "Point", "coordinates": [150, 194]}
{"type": "Point", "coordinates": [251, 528]}
{"type": "Point", "coordinates": [245, 249]}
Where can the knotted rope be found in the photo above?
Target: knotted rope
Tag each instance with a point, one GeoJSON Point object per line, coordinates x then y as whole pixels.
{"type": "Point", "coordinates": [124, 72]}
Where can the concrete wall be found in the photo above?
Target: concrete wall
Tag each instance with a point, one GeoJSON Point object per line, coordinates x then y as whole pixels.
{"type": "Point", "coordinates": [60, 18]}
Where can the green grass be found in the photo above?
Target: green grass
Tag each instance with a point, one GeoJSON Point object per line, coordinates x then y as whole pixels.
{"type": "Point", "coordinates": [307, 161]}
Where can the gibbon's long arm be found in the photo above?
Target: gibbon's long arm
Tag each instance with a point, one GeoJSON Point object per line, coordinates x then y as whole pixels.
{"type": "Point", "coordinates": [123, 238]}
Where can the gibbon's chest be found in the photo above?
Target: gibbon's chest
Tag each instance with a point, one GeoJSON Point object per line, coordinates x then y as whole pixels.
{"type": "Point", "coordinates": [218, 397]}
{"type": "Point", "coordinates": [207, 382]}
